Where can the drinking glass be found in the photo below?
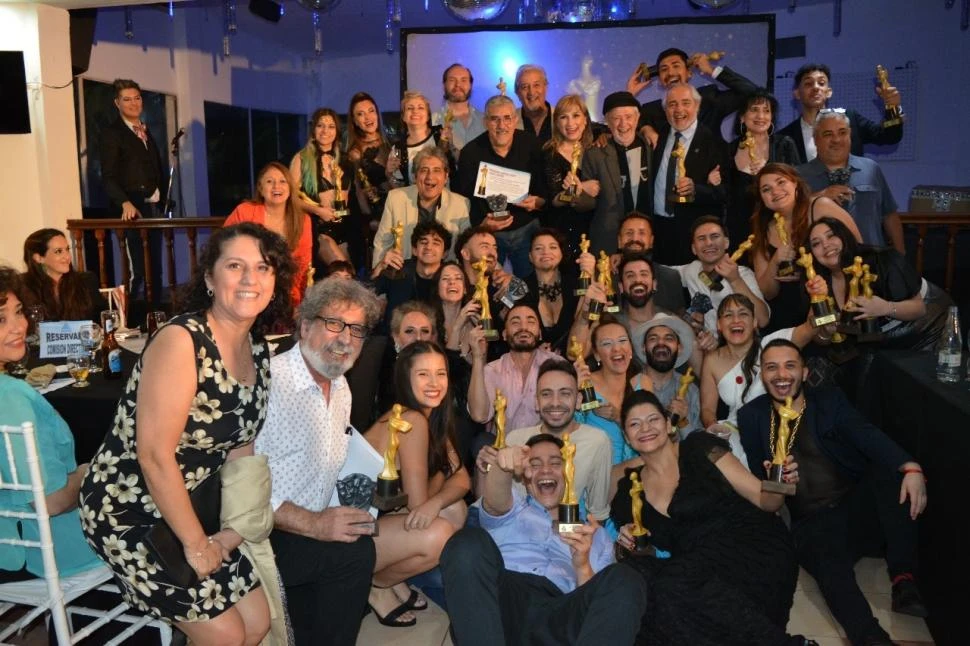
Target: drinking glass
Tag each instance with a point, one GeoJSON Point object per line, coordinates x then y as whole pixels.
{"type": "Point", "coordinates": [91, 335]}
{"type": "Point", "coordinates": [154, 321]}
{"type": "Point", "coordinates": [35, 316]}
{"type": "Point", "coordinates": [78, 366]}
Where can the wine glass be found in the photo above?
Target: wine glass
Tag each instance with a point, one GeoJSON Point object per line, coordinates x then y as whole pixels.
{"type": "Point", "coordinates": [91, 335]}
{"type": "Point", "coordinates": [78, 366]}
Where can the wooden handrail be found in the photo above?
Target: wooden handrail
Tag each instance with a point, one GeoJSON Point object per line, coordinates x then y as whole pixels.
{"type": "Point", "coordinates": [103, 227]}
{"type": "Point", "coordinates": [952, 222]}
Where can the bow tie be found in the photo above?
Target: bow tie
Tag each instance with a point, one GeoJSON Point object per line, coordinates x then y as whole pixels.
{"type": "Point", "coordinates": [636, 144]}
{"type": "Point", "coordinates": [839, 176]}
{"type": "Point", "coordinates": [140, 130]}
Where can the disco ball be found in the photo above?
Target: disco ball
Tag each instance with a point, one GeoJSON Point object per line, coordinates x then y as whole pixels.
{"type": "Point", "coordinates": [319, 5]}
{"type": "Point", "coordinates": [475, 10]}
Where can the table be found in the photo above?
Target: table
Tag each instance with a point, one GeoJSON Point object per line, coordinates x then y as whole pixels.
{"type": "Point", "coordinates": [931, 421]}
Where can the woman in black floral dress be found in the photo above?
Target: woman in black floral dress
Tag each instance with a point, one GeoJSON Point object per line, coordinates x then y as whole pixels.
{"type": "Point", "coordinates": [195, 399]}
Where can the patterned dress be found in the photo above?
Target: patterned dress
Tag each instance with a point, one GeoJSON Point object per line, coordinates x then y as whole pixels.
{"type": "Point", "coordinates": [117, 510]}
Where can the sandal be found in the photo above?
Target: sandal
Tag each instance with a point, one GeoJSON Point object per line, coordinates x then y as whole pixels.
{"type": "Point", "coordinates": [416, 601]}
{"type": "Point", "coordinates": [391, 618]}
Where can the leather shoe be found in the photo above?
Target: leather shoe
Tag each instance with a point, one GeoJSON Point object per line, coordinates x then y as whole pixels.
{"type": "Point", "coordinates": [907, 599]}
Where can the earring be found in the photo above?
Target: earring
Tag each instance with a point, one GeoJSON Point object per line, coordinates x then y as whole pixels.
{"type": "Point", "coordinates": [742, 129]}
{"type": "Point", "coordinates": [771, 129]}
{"type": "Point", "coordinates": [208, 292]}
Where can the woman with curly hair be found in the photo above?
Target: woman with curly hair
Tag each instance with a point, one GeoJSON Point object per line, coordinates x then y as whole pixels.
{"type": "Point", "coordinates": [195, 400]}
{"type": "Point", "coordinates": [51, 282]}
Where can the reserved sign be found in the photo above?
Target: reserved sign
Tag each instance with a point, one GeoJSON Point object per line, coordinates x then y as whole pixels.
{"type": "Point", "coordinates": [60, 339]}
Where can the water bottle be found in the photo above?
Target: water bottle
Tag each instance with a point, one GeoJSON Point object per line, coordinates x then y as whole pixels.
{"type": "Point", "coordinates": [949, 352]}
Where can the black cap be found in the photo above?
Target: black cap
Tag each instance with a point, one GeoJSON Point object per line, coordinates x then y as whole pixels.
{"type": "Point", "coordinates": [620, 100]}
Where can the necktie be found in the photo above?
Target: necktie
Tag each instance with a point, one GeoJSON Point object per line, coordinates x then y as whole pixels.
{"type": "Point", "coordinates": [672, 165]}
{"type": "Point", "coordinates": [142, 133]}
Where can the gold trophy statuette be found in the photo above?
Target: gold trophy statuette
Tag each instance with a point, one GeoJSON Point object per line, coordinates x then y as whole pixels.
{"type": "Point", "coordinates": [714, 280]}
{"type": "Point", "coordinates": [822, 312]}
{"type": "Point", "coordinates": [369, 191]}
{"type": "Point", "coordinates": [748, 144]}
{"type": "Point", "coordinates": [645, 71]}
{"type": "Point", "coordinates": [711, 56]}
{"type": "Point", "coordinates": [309, 275]}
{"type": "Point", "coordinates": [446, 128]}
{"type": "Point", "coordinates": [848, 323]}
{"type": "Point", "coordinates": [569, 194]}
{"type": "Point", "coordinates": [388, 495]}
{"type": "Point", "coordinates": [568, 505]}
{"type": "Point", "coordinates": [397, 234]}
{"type": "Point", "coordinates": [781, 447]}
{"type": "Point", "coordinates": [584, 278]}
{"type": "Point", "coordinates": [500, 404]}
{"type": "Point", "coordinates": [786, 268]}
{"type": "Point", "coordinates": [641, 535]}
{"type": "Point", "coordinates": [481, 295]}
{"type": "Point", "coordinates": [339, 203]}
{"type": "Point", "coordinates": [574, 352]}
{"type": "Point", "coordinates": [481, 184]}
{"type": "Point", "coordinates": [894, 113]}
{"type": "Point", "coordinates": [680, 154]}
{"type": "Point", "coordinates": [869, 329]}
{"type": "Point", "coordinates": [685, 381]}
{"type": "Point", "coordinates": [606, 280]}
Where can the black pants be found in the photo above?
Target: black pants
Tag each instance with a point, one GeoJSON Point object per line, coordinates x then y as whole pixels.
{"type": "Point", "coordinates": [830, 541]}
{"type": "Point", "coordinates": [136, 259]}
{"type": "Point", "coordinates": [490, 606]}
{"type": "Point", "coordinates": [326, 586]}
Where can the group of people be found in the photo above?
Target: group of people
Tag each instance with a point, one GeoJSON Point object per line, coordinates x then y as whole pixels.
{"type": "Point", "coordinates": [597, 338]}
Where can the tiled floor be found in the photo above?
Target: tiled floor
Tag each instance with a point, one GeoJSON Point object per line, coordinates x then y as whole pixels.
{"type": "Point", "coordinates": [809, 617]}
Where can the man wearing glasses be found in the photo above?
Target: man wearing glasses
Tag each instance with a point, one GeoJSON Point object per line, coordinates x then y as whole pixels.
{"type": "Point", "coordinates": [325, 554]}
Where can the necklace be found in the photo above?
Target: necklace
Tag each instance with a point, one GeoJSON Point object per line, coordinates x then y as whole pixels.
{"type": "Point", "coordinates": [551, 291]}
{"type": "Point", "coordinates": [794, 429]}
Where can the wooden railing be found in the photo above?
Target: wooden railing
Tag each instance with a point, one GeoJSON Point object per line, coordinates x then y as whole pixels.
{"type": "Point", "coordinates": [103, 228]}
{"type": "Point", "coordinates": [952, 222]}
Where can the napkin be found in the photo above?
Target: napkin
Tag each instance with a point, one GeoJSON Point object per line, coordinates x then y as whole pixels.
{"type": "Point", "coordinates": [41, 376]}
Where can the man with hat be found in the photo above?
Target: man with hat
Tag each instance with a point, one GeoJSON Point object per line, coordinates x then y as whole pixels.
{"type": "Point", "coordinates": [623, 169]}
{"type": "Point", "coordinates": [662, 345]}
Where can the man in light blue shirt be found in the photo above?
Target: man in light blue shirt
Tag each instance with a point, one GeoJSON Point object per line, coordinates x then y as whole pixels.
{"type": "Point", "coordinates": [516, 580]}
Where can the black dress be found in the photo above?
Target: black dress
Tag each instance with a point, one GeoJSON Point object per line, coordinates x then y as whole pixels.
{"type": "Point", "coordinates": [731, 574]}
{"type": "Point", "coordinates": [572, 220]}
{"type": "Point", "coordinates": [557, 334]}
{"type": "Point", "coordinates": [742, 197]}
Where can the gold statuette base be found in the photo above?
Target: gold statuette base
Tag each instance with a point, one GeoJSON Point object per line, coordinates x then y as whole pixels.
{"type": "Point", "coordinates": [568, 518]}
{"type": "Point", "coordinates": [489, 331]}
{"type": "Point", "coordinates": [388, 495]}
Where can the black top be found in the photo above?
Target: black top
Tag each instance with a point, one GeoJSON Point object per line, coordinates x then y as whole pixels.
{"type": "Point", "coordinates": [524, 155]}
{"type": "Point", "coordinates": [401, 145]}
{"type": "Point", "coordinates": [571, 219]}
{"type": "Point", "coordinates": [131, 170]}
{"type": "Point", "coordinates": [742, 197]}
{"type": "Point", "coordinates": [557, 334]}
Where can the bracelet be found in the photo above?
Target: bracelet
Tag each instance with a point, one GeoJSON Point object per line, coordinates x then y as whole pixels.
{"type": "Point", "coordinates": [892, 310]}
{"type": "Point", "coordinates": [208, 543]}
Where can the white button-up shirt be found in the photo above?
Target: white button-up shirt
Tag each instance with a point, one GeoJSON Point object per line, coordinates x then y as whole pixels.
{"type": "Point", "coordinates": [304, 436]}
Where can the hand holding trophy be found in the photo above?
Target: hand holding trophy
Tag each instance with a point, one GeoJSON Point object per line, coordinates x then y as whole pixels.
{"type": "Point", "coordinates": [569, 193]}
{"type": "Point", "coordinates": [781, 445]}
{"type": "Point", "coordinates": [869, 329]}
{"type": "Point", "coordinates": [574, 352]}
{"type": "Point", "coordinates": [388, 495]}
{"type": "Point", "coordinates": [893, 112]}
{"type": "Point", "coordinates": [584, 278]}
{"type": "Point", "coordinates": [714, 280]}
{"type": "Point", "coordinates": [481, 295]}
{"type": "Point", "coordinates": [397, 233]}
{"type": "Point", "coordinates": [680, 154]}
{"type": "Point", "coordinates": [568, 505]}
{"type": "Point", "coordinates": [641, 535]}
{"type": "Point", "coordinates": [848, 324]}
{"type": "Point", "coordinates": [339, 203]}
{"type": "Point", "coordinates": [786, 268]}
{"type": "Point", "coordinates": [822, 312]}
{"type": "Point", "coordinates": [685, 381]}
{"type": "Point", "coordinates": [500, 405]}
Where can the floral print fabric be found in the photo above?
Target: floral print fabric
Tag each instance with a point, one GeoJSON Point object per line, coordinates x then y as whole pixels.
{"type": "Point", "coordinates": [117, 510]}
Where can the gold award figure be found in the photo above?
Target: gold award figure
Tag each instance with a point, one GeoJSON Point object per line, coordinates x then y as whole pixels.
{"type": "Point", "coordinates": [397, 235]}
{"type": "Point", "coordinates": [869, 329]}
{"type": "Point", "coordinates": [481, 185]}
{"type": "Point", "coordinates": [569, 193]}
{"type": "Point", "coordinates": [855, 270]}
{"type": "Point", "coordinates": [893, 113]}
{"type": "Point", "coordinates": [339, 204]}
{"type": "Point", "coordinates": [742, 249]}
{"type": "Point", "coordinates": [606, 280]}
{"type": "Point", "coordinates": [574, 352]}
{"type": "Point", "coordinates": [683, 385]}
{"type": "Point", "coordinates": [369, 191]}
{"type": "Point", "coordinates": [822, 312]}
{"type": "Point", "coordinates": [500, 404]}
{"type": "Point", "coordinates": [568, 505]}
{"type": "Point", "coordinates": [786, 268]}
{"type": "Point", "coordinates": [714, 280]}
{"type": "Point", "coordinates": [584, 278]}
{"type": "Point", "coordinates": [389, 495]}
{"type": "Point", "coordinates": [481, 295]}
{"type": "Point", "coordinates": [641, 535]}
{"type": "Point", "coordinates": [781, 448]}
{"type": "Point", "coordinates": [309, 275]}
{"type": "Point", "coordinates": [680, 154]}
{"type": "Point", "coordinates": [748, 144]}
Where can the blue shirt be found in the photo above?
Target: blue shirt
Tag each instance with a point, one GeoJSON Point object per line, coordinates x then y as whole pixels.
{"type": "Point", "coordinates": [872, 202]}
{"type": "Point", "coordinates": [20, 403]}
{"type": "Point", "coordinates": [528, 543]}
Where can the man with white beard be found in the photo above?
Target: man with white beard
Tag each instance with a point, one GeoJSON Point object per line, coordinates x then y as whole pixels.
{"type": "Point", "coordinates": [325, 555]}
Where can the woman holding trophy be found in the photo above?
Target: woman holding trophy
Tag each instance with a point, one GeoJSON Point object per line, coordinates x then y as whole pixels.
{"type": "Point", "coordinates": [409, 542]}
{"type": "Point", "coordinates": [570, 198]}
{"type": "Point", "coordinates": [720, 567]}
{"type": "Point", "coordinates": [417, 134]}
{"type": "Point", "coordinates": [367, 150]}
{"type": "Point", "coordinates": [782, 191]}
{"type": "Point", "coordinates": [317, 169]}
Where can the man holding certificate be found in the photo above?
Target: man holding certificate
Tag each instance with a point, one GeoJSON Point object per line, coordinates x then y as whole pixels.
{"type": "Point", "coordinates": [500, 171]}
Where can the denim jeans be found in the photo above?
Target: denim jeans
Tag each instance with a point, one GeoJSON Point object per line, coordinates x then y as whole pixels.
{"type": "Point", "coordinates": [515, 245]}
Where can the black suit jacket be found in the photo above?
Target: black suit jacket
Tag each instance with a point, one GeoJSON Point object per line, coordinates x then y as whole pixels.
{"type": "Point", "coordinates": [839, 430]}
{"type": "Point", "coordinates": [603, 165]}
{"type": "Point", "coordinates": [130, 170]}
{"type": "Point", "coordinates": [864, 132]}
{"type": "Point", "coordinates": [715, 103]}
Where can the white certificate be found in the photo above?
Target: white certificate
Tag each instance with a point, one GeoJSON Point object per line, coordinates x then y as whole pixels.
{"type": "Point", "coordinates": [498, 180]}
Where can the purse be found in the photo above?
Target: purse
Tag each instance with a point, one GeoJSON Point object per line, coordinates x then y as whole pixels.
{"type": "Point", "coordinates": [206, 502]}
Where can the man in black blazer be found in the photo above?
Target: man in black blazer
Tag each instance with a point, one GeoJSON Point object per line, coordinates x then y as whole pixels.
{"type": "Point", "coordinates": [134, 178]}
{"type": "Point", "coordinates": [704, 154]}
{"type": "Point", "coordinates": [852, 479]}
{"type": "Point", "coordinates": [674, 67]}
{"type": "Point", "coordinates": [812, 91]}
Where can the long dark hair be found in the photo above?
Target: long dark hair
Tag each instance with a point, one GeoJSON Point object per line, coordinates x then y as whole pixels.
{"type": "Point", "coordinates": [310, 154]}
{"type": "Point", "coordinates": [441, 422]}
{"type": "Point", "coordinates": [354, 133]}
{"type": "Point", "coordinates": [72, 300]}
{"type": "Point", "coordinates": [751, 356]}
{"type": "Point", "coordinates": [850, 247]}
{"type": "Point", "coordinates": [436, 302]}
{"type": "Point", "coordinates": [195, 297]}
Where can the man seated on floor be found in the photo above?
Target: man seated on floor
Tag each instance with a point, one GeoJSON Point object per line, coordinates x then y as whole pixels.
{"type": "Point", "coordinates": [516, 580]}
{"type": "Point", "coordinates": [855, 480]}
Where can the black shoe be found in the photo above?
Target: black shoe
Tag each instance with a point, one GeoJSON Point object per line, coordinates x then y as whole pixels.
{"type": "Point", "coordinates": [907, 599]}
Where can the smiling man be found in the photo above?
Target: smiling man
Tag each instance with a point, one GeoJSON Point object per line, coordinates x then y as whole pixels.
{"type": "Point", "coordinates": [466, 122]}
{"type": "Point", "coordinates": [427, 200]}
{"type": "Point", "coordinates": [516, 580]}
{"type": "Point", "coordinates": [856, 480]}
{"type": "Point", "coordinates": [713, 269]}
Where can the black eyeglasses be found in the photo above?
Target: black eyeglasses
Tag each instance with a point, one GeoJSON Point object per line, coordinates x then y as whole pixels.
{"type": "Point", "coordinates": [337, 326]}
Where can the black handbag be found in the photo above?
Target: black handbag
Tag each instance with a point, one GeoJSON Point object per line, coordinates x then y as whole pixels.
{"type": "Point", "coordinates": [206, 502]}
